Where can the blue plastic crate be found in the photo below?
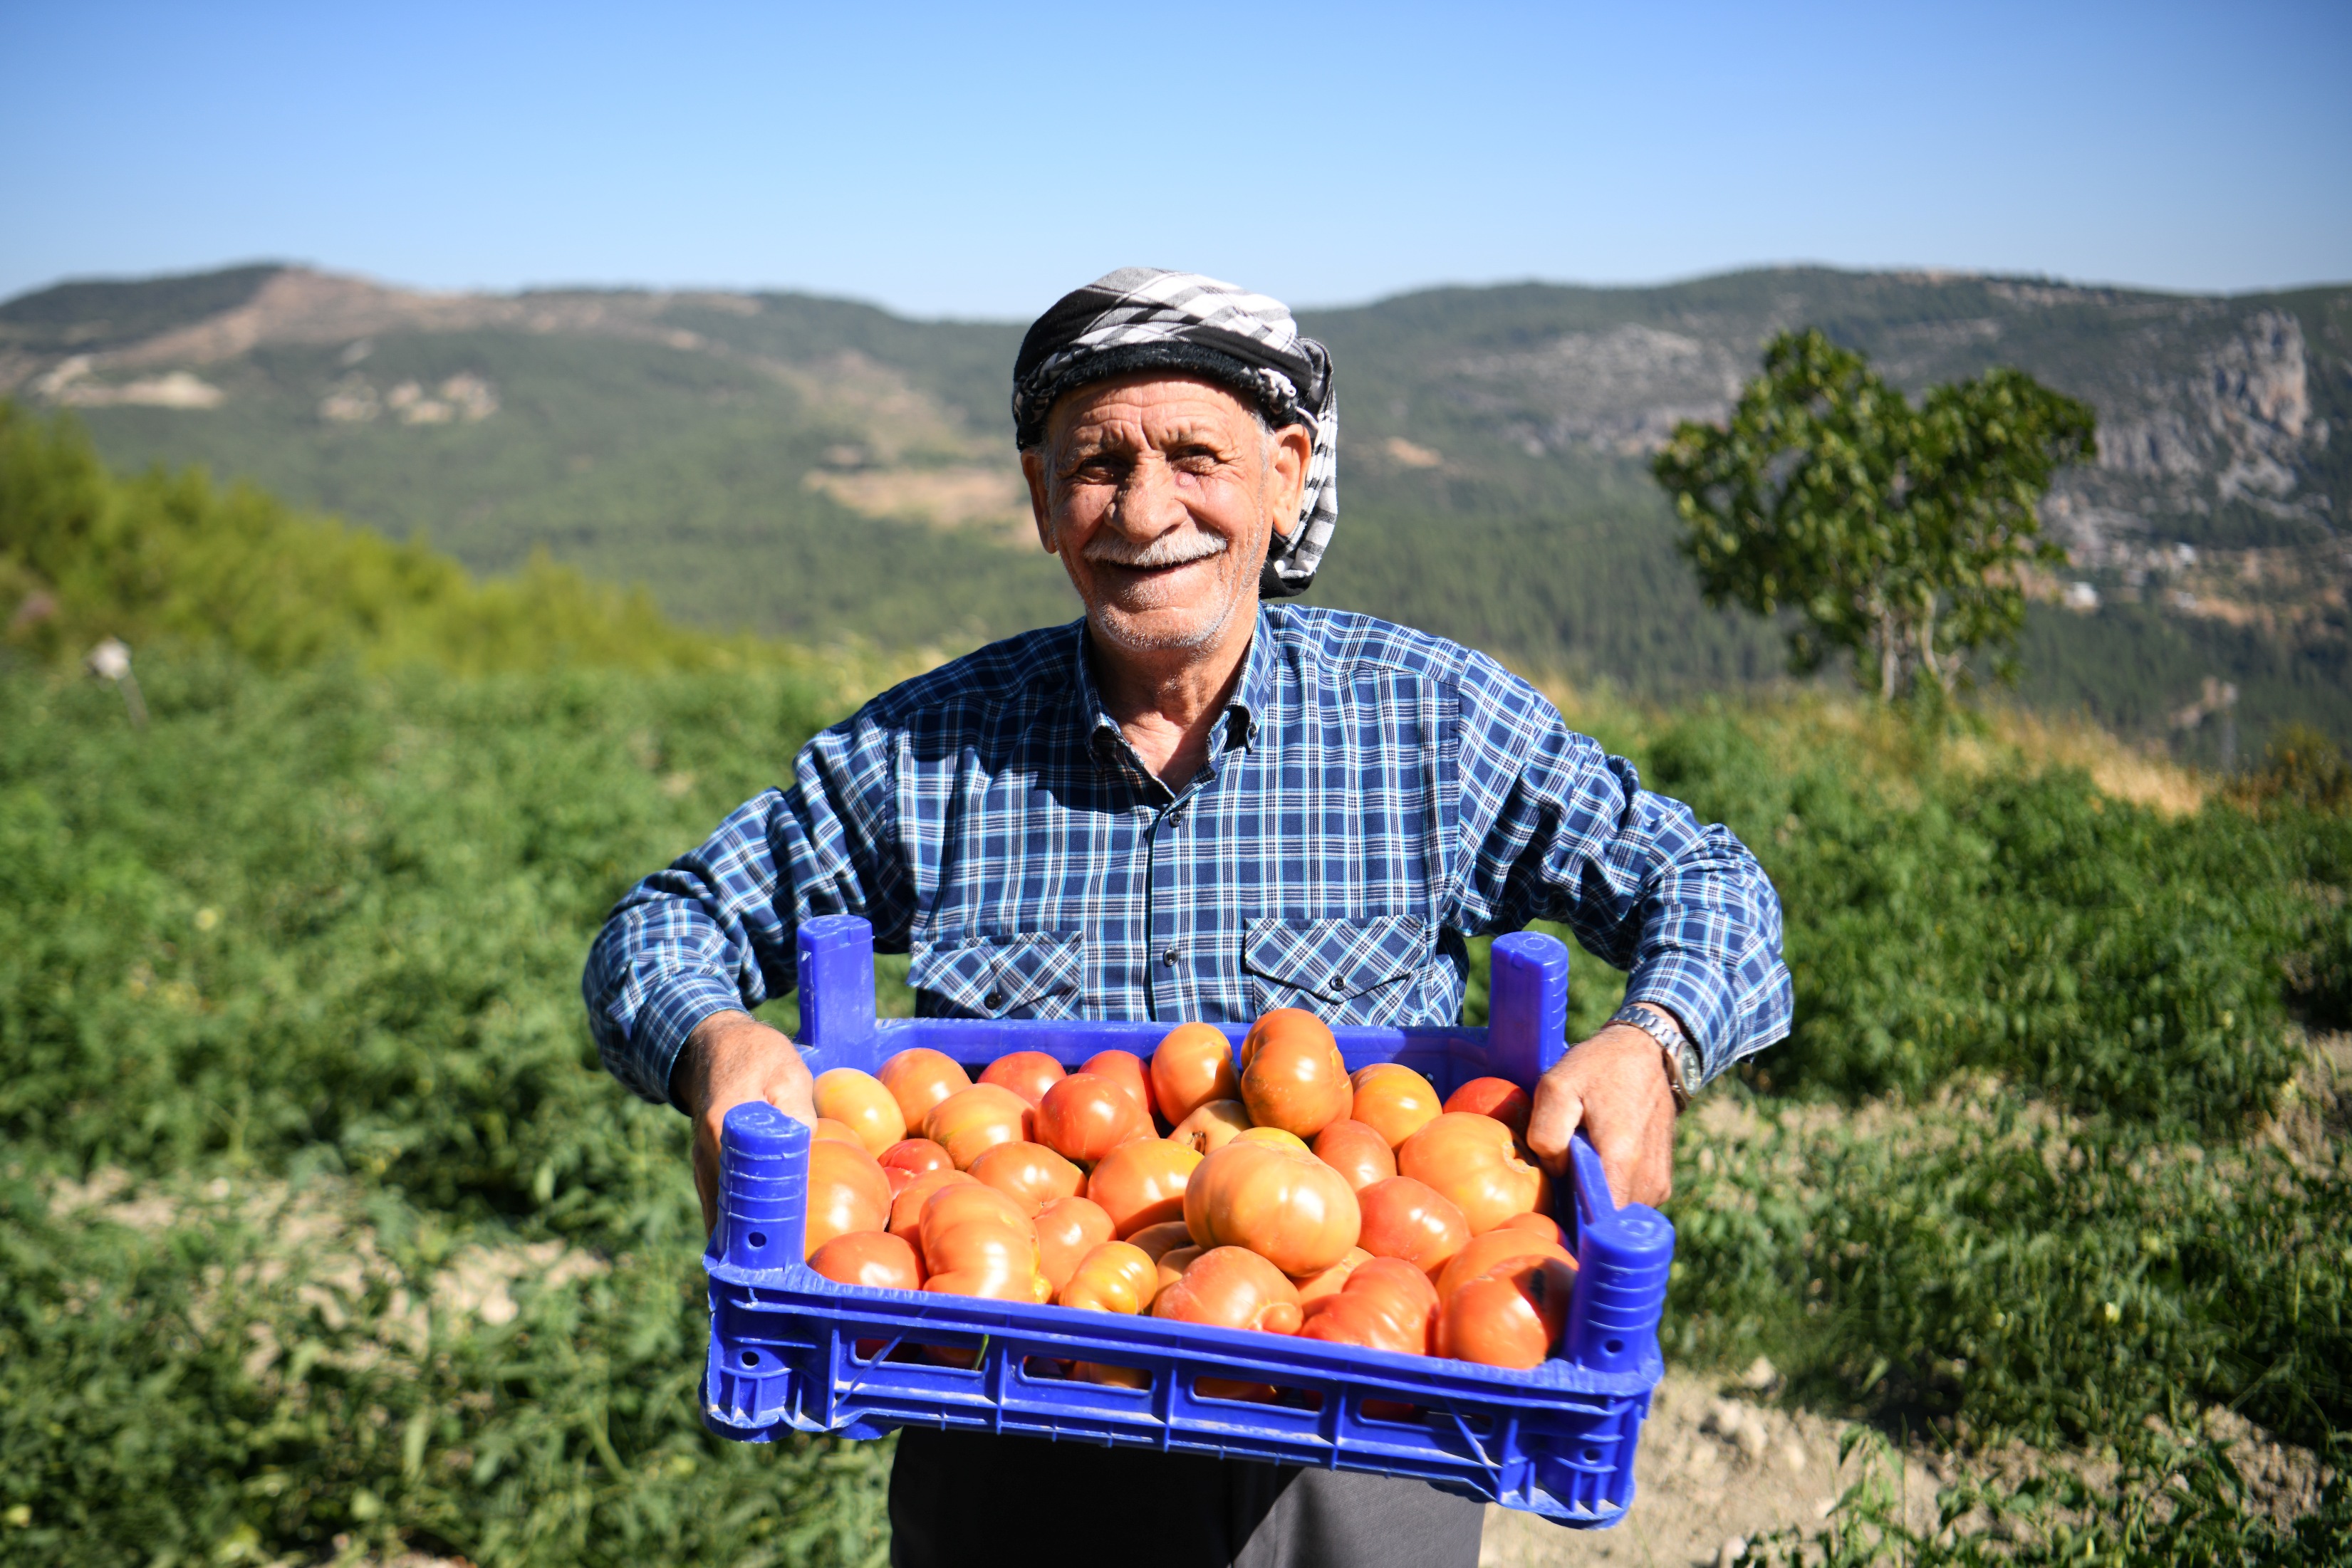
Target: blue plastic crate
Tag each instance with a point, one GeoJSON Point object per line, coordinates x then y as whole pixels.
{"type": "Point", "coordinates": [785, 1342]}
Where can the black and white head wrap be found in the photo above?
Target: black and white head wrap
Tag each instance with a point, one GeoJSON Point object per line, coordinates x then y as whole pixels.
{"type": "Point", "coordinates": [1143, 319]}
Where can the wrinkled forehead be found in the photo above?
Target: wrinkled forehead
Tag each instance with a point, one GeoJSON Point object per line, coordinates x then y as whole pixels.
{"type": "Point", "coordinates": [1151, 408]}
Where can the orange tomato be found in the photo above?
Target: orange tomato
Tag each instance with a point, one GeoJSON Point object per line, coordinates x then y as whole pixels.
{"type": "Point", "coordinates": [829, 1129]}
{"type": "Point", "coordinates": [1414, 1221]}
{"type": "Point", "coordinates": [1356, 1152]}
{"type": "Point", "coordinates": [1028, 1074]}
{"type": "Point", "coordinates": [920, 1078]}
{"type": "Point", "coordinates": [1087, 1115]}
{"type": "Point", "coordinates": [1485, 1254]}
{"type": "Point", "coordinates": [1173, 1263]}
{"type": "Point", "coordinates": [1211, 1126]}
{"type": "Point", "coordinates": [919, 1156]}
{"type": "Point", "coordinates": [992, 1284]}
{"type": "Point", "coordinates": [899, 1180]}
{"type": "Point", "coordinates": [862, 1103]}
{"type": "Point", "coordinates": [907, 1208]}
{"type": "Point", "coordinates": [1292, 1077]}
{"type": "Point", "coordinates": [1143, 1183]}
{"type": "Point", "coordinates": [1542, 1225]}
{"type": "Point", "coordinates": [1387, 1304]}
{"type": "Point", "coordinates": [1126, 1067]}
{"type": "Point", "coordinates": [976, 1241]}
{"type": "Point", "coordinates": [969, 1202]}
{"type": "Point", "coordinates": [1510, 1317]}
{"type": "Point", "coordinates": [846, 1192]}
{"type": "Point", "coordinates": [970, 1121]}
{"type": "Point", "coordinates": [1193, 1065]}
{"type": "Point", "coordinates": [1291, 1210]}
{"type": "Point", "coordinates": [1067, 1229]}
{"type": "Point", "coordinates": [1232, 1287]}
{"type": "Point", "coordinates": [1471, 1159]}
{"type": "Point", "coordinates": [1031, 1172]}
{"type": "Point", "coordinates": [1500, 1098]}
{"type": "Point", "coordinates": [1394, 1100]}
{"type": "Point", "coordinates": [1113, 1277]}
{"type": "Point", "coordinates": [1274, 1137]}
{"type": "Point", "coordinates": [1313, 1288]}
{"type": "Point", "coordinates": [872, 1258]}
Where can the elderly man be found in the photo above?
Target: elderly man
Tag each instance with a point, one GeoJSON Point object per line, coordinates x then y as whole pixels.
{"type": "Point", "coordinates": [1191, 804]}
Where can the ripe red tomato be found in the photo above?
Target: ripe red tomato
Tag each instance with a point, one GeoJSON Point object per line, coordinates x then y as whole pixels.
{"type": "Point", "coordinates": [1471, 1159]}
{"type": "Point", "coordinates": [1028, 1074]}
{"type": "Point", "coordinates": [871, 1258]}
{"type": "Point", "coordinates": [970, 1121]}
{"type": "Point", "coordinates": [1292, 1077]}
{"type": "Point", "coordinates": [1193, 1065]}
{"type": "Point", "coordinates": [862, 1103]}
{"type": "Point", "coordinates": [1394, 1100]}
{"type": "Point", "coordinates": [1414, 1221]}
{"type": "Point", "coordinates": [1126, 1067]}
{"type": "Point", "coordinates": [916, 1154]}
{"type": "Point", "coordinates": [1087, 1115]}
{"type": "Point", "coordinates": [1031, 1173]}
{"type": "Point", "coordinates": [1497, 1097]}
{"type": "Point", "coordinates": [1500, 1247]}
{"type": "Point", "coordinates": [1511, 1317]}
{"type": "Point", "coordinates": [1232, 1287]}
{"type": "Point", "coordinates": [1143, 1183]}
{"type": "Point", "coordinates": [846, 1192]}
{"type": "Point", "coordinates": [1356, 1152]}
{"type": "Point", "coordinates": [1291, 1210]}
{"type": "Point", "coordinates": [1067, 1229]}
{"type": "Point", "coordinates": [920, 1078]}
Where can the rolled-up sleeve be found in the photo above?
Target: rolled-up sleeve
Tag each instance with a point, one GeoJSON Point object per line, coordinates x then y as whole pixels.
{"type": "Point", "coordinates": [715, 930]}
{"type": "Point", "coordinates": [1553, 827]}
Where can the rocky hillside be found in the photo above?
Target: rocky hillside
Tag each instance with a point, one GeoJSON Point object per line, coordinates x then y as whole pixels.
{"type": "Point", "coordinates": [815, 467]}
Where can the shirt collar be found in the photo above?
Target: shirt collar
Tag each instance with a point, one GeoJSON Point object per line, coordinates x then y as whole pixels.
{"type": "Point", "coordinates": [1244, 710]}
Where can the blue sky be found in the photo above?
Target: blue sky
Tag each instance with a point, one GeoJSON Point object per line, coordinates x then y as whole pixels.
{"type": "Point", "coordinates": [978, 161]}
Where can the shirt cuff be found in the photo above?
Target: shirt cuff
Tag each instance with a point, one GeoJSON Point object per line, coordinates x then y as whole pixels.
{"type": "Point", "coordinates": [1693, 989]}
{"type": "Point", "coordinates": [673, 1006]}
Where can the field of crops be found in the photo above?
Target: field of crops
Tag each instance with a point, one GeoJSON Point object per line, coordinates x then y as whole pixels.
{"type": "Point", "coordinates": [322, 1234]}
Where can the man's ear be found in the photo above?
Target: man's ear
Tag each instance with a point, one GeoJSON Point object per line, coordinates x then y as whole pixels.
{"type": "Point", "coordinates": [1032, 469]}
{"type": "Point", "coordinates": [1294, 449]}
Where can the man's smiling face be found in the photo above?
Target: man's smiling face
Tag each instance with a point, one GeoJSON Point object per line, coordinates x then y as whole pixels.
{"type": "Point", "coordinates": [1160, 492]}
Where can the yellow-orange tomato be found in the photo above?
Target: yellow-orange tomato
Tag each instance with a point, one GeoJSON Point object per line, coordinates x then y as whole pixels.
{"type": "Point", "coordinates": [1412, 1220]}
{"type": "Point", "coordinates": [1113, 1277]}
{"type": "Point", "coordinates": [1143, 1183]}
{"type": "Point", "coordinates": [1031, 1172]}
{"type": "Point", "coordinates": [993, 1283]}
{"type": "Point", "coordinates": [1126, 1067]}
{"type": "Point", "coordinates": [1193, 1065]}
{"type": "Point", "coordinates": [846, 1192]}
{"type": "Point", "coordinates": [1292, 1077]}
{"type": "Point", "coordinates": [1028, 1074]}
{"type": "Point", "coordinates": [1510, 1317]}
{"type": "Point", "coordinates": [828, 1130]}
{"type": "Point", "coordinates": [1291, 1210]}
{"type": "Point", "coordinates": [1542, 1225]}
{"type": "Point", "coordinates": [919, 1156]}
{"type": "Point", "coordinates": [874, 1257]}
{"type": "Point", "coordinates": [1356, 1152]}
{"type": "Point", "coordinates": [970, 1121]}
{"type": "Point", "coordinates": [1173, 1263]}
{"type": "Point", "coordinates": [864, 1104]}
{"type": "Point", "coordinates": [907, 1208]}
{"type": "Point", "coordinates": [1273, 1136]}
{"type": "Point", "coordinates": [1497, 1097]}
{"type": "Point", "coordinates": [920, 1078]}
{"type": "Point", "coordinates": [1470, 1159]}
{"type": "Point", "coordinates": [1313, 1288]}
{"type": "Point", "coordinates": [1087, 1115]}
{"type": "Point", "coordinates": [951, 1205]}
{"type": "Point", "coordinates": [1497, 1248]}
{"type": "Point", "coordinates": [1232, 1287]}
{"type": "Point", "coordinates": [1211, 1126]}
{"type": "Point", "coordinates": [1394, 1100]}
{"type": "Point", "coordinates": [1067, 1229]}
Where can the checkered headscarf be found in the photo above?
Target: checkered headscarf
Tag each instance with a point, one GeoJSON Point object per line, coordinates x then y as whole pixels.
{"type": "Point", "coordinates": [1141, 318]}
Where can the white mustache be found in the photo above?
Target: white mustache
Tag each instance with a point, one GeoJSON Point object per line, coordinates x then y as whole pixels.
{"type": "Point", "coordinates": [1168, 549]}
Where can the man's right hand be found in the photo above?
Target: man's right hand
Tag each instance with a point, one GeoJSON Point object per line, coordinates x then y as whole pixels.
{"type": "Point", "coordinates": [730, 1059]}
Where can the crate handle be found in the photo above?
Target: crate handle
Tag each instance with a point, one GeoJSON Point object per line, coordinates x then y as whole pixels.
{"type": "Point", "coordinates": [1623, 1257]}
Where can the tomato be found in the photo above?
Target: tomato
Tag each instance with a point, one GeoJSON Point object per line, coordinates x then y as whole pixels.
{"type": "Point", "coordinates": [1113, 1277]}
{"type": "Point", "coordinates": [970, 1121]}
{"type": "Point", "coordinates": [1395, 1276]}
{"type": "Point", "coordinates": [1394, 1100]}
{"type": "Point", "coordinates": [899, 1180]}
{"type": "Point", "coordinates": [1471, 1159]}
{"type": "Point", "coordinates": [846, 1192]}
{"type": "Point", "coordinates": [1028, 1074]}
{"type": "Point", "coordinates": [1542, 1225]}
{"type": "Point", "coordinates": [976, 1241]}
{"type": "Point", "coordinates": [1126, 1067]}
{"type": "Point", "coordinates": [1412, 1220]}
{"type": "Point", "coordinates": [1356, 1152]}
{"type": "Point", "coordinates": [872, 1258]}
{"type": "Point", "coordinates": [1486, 1253]}
{"type": "Point", "coordinates": [1283, 1023]}
{"type": "Point", "coordinates": [1193, 1065]}
{"type": "Point", "coordinates": [1174, 1262]}
{"type": "Point", "coordinates": [1386, 1304]}
{"type": "Point", "coordinates": [1232, 1287]}
{"type": "Point", "coordinates": [1274, 1136]}
{"type": "Point", "coordinates": [827, 1130]}
{"type": "Point", "coordinates": [1509, 1317]}
{"type": "Point", "coordinates": [920, 1078]}
{"type": "Point", "coordinates": [860, 1101]}
{"type": "Point", "coordinates": [1291, 1210]}
{"type": "Point", "coordinates": [1212, 1124]}
{"type": "Point", "coordinates": [916, 1154]}
{"type": "Point", "coordinates": [1313, 1288]}
{"type": "Point", "coordinates": [1031, 1172]}
{"type": "Point", "coordinates": [1143, 1183]}
{"type": "Point", "coordinates": [1067, 1229]}
{"type": "Point", "coordinates": [1165, 1237]}
{"type": "Point", "coordinates": [1293, 1078]}
{"type": "Point", "coordinates": [1500, 1098]}
{"type": "Point", "coordinates": [1087, 1115]}
{"type": "Point", "coordinates": [907, 1208]}
{"type": "Point", "coordinates": [971, 1202]}
{"type": "Point", "coordinates": [992, 1284]}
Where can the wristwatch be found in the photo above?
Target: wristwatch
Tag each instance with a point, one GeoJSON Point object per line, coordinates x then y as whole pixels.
{"type": "Point", "coordinates": [1685, 1071]}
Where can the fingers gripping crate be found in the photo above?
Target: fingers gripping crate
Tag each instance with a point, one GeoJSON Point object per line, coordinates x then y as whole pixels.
{"type": "Point", "coordinates": [791, 1350]}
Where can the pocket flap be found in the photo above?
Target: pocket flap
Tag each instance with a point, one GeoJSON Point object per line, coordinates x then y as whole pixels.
{"type": "Point", "coordinates": [992, 977]}
{"type": "Point", "coordinates": [1334, 959]}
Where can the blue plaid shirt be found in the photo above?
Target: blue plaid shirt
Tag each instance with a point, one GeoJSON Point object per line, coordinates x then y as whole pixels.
{"type": "Point", "coordinates": [1374, 796]}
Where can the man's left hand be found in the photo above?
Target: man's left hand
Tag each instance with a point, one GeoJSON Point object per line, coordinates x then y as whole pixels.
{"type": "Point", "coordinates": [1616, 1087]}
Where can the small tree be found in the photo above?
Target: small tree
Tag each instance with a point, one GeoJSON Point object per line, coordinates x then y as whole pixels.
{"type": "Point", "coordinates": [1900, 534]}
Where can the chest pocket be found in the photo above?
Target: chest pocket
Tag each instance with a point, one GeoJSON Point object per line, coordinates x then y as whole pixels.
{"type": "Point", "coordinates": [1332, 968]}
{"type": "Point", "coordinates": [1001, 977]}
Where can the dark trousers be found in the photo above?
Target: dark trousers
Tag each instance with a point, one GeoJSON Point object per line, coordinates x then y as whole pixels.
{"type": "Point", "coordinates": [959, 1499]}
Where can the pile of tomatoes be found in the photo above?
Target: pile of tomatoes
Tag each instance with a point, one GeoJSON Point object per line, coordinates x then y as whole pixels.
{"type": "Point", "coordinates": [1285, 1196]}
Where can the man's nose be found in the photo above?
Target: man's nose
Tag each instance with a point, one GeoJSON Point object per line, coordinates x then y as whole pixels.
{"type": "Point", "coordinates": [1148, 505]}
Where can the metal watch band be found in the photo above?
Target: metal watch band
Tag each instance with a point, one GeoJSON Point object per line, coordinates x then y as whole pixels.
{"type": "Point", "coordinates": [1684, 1068]}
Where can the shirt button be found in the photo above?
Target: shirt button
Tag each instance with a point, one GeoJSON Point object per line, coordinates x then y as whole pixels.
{"type": "Point", "coordinates": [1335, 984]}
{"type": "Point", "coordinates": [994, 999]}
{"type": "Point", "coordinates": [1169, 957]}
